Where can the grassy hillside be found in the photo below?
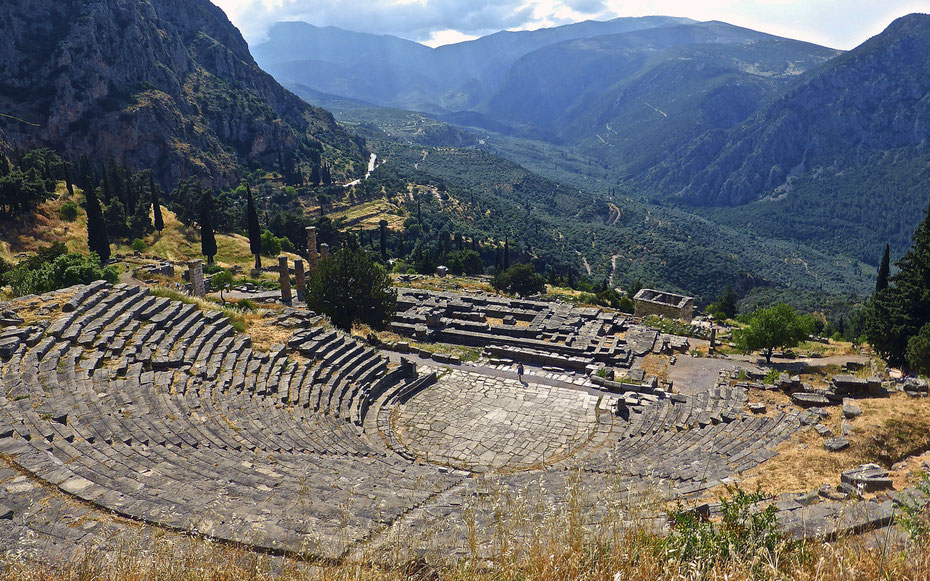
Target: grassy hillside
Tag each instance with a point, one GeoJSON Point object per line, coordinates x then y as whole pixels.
{"type": "Point", "coordinates": [176, 242]}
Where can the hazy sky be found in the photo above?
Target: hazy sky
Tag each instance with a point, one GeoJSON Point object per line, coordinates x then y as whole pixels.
{"type": "Point", "coordinates": [835, 23]}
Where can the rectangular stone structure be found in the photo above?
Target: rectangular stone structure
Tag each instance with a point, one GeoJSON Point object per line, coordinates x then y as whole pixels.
{"type": "Point", "coordinates": [300, 279]}
{"type": "Point", "coordinates": [652, 302]}
{"type": "Point", "coordinates": [311, 248]}
{"type": "Point", "coordinates": [284, 277]}
{"type": "Point", "coordinates": [195, 274]}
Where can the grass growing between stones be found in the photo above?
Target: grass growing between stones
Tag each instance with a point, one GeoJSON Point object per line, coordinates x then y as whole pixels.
{"type": "Point", "coordinates": [526, 542]}
{"type": "Point", "coordinates": [238, 319]}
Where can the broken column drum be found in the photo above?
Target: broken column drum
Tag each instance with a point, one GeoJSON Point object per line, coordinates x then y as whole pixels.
{"type": "Point", "coordinates": [195, 270]}
{"type": "Point", "coordinates": [311, 248]}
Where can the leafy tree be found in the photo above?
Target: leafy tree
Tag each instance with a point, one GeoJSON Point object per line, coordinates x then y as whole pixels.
{"type": "Point", "coordinates": [156, 204]}
{"type": "Point", "coordinates": [884, 270]}
{"type": "Point", "coordinates": [52, 268]}
{"type": "Point", "coordinates": [776, 326]}
{"type": "Point", "coordinates": [222, 281]}
{"type": "Point", "coordinates": [255, 231]}
{"type": "Point", "coordinates": [519, 279]}
{"type": "Point", "coordinates": [207, 236]}
{"type": "Point", "coordinates": [270, 245]}
{"type": "Point", "coordinates": [899, 312]}
{"type": "Point", "coordinates": [350, 287]}
{"type": "Point", "coordinates": [97, 239]}
{"type": "Point", "coordinates": [918, 351]}
{"type": "Point", "coordinates": [464, 262]}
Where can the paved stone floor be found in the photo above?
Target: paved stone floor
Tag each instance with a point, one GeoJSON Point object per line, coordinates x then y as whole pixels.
{"type": "Point", "coordinates": [476, 422]}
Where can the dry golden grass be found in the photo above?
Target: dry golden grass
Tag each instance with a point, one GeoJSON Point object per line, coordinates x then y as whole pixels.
{"type": "Point", "coordinates": [553, 554]}
{"type": "Point", "coordinates": [803, 464]}
{"type": "Point", "coordinates": [368, 214]}
{"type": "Point", "coordinates": [448, 283]}
{"type": "Point", "coordinates": [176, 242]}
{"type": "Point", "coordinates": [657, 365]}
{"type": "Point", "coordinates": [28, 309]}
{"type": "Point", "coordinates": [262, 329]}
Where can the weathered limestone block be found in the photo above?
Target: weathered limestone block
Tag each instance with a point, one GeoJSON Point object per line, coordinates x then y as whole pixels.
{"type": "Point", "coordinates": [195, 275]}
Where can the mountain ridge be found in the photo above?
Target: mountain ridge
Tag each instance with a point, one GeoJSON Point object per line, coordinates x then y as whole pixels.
{"type": "Point", "coordinates": [163, 84]}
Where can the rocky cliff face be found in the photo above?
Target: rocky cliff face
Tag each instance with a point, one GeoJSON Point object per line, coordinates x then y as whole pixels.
{"type": "Point", "coordinates": [875, 98]}
{"type": "Point", "coordinates": [162, 84]}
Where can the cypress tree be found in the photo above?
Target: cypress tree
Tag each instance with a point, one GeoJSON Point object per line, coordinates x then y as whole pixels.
{"type": "Point", "coordinates": [382, 227]}
{"type": "Point", "coordinates": [506, 252]}
{"type": "Point", "coordinates": [68, 182]}
{"type": "Point", "coordinates": [97, 239]}
{"type": "Point", "coordinates": [156, 204]}
{"type": "Point", "coordinates": [207, 236]}
{"type": "Point", "coordinates": [107, 193]}
{"type": "Point", "coordinates": [255, 231]}
{"type": "Point", "coordinates": [896, 314]}
{"type": "Point", "coordinates": [883, 270]}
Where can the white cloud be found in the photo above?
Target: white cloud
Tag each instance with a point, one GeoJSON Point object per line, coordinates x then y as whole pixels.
{"type": "Point", "coordinates": [837, 23]}
{"type": "Point", "coordinates": [447, 36]}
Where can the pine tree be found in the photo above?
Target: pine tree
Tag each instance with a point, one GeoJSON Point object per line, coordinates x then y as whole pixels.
{"type": "Point", "coordinates": [97, 239]}
{"type": "Point", "coordinates": [156, 204]}
{"type": "Point", "coordinates": [255, 231]}
{"type": "Point", "coordinates": [884, 270]}
{"type": "Point", "coordinates": [207, 236]}
{"type": "Point", "coordinates": [897, 313]}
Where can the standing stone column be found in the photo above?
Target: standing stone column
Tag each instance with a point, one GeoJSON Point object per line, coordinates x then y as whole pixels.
{"type": "Point", "coordinates": [285, 278]}
{"type": "Point", "coordinates": [301, 280]}
{"type": "Point", "coordinates": [324, 250]}
{"type": "Point", "coordinates": [195, 273]}
{"type": "Point", "coordinates": [311, 248]}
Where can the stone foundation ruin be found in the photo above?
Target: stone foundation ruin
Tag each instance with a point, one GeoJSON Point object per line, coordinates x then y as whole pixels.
{"type": "Point", "coordinates": [671, 306]}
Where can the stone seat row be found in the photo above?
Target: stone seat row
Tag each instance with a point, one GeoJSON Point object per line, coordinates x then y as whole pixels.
{"type": "Point", "coordinates": [183, 419]}
{"type": "Point", "coordinates": [695, 441]}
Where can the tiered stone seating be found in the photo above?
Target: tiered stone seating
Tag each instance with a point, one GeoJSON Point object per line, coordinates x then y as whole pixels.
{"type": "Point", "coordinates": [694, 441]}
{"type": "Point", "coordinates": [163, 413]}
{"type": "Point", "coordinates": [160, 412]}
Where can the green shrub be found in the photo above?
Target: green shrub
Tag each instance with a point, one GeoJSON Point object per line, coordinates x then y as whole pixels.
{"type": "Point", "coordinates": [771, 377]}
{"type": "Point", "coordinates": [69, 211]}
{"type": "Point", "coordinates": [52, 268]}
{"type": "Point", "coordinates": [914, 518]}
{"type": "Point", "coordinates": [245, 305]}
{"type": "Point", "coordinates": [745, 533]}
{"type": "Point", "coordinates": [138, 245]}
